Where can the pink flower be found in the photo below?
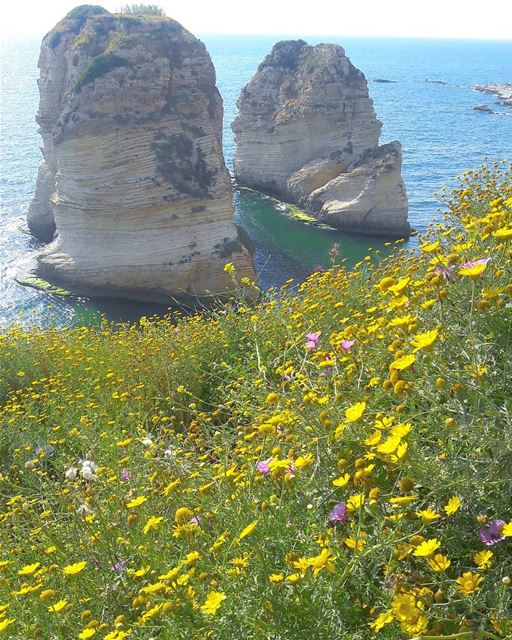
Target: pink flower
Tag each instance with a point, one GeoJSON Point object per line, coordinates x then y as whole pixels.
{"type": "Point", "coordinates": [346, 345]}
{"type": "Point", "coordinates": [468, 265]}
{"type": "Point", "coordinates": [446, 273]}
{"type": "Point", "coordinates": [263, 466]}
{"type": "Point", "coordinates": [493, 533]}
{"type": "Point", "coordinates": [338, 514]}
{"type": "Point", "coordinates": [312, 340]}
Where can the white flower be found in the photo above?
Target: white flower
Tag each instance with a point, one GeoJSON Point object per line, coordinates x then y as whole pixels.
{"type": "Point", "coordinates": [88, 474]}
{"type": "Point", "coordinates": [29, 464]}
{"type": "Point", "coordinates": [83, 510]}
{"type": "Point", "coordinates": [147, 442]}
{"type": "Point", "coordinates": [71, 473]}
{"type": "Point", "coordinates": [90, 464]}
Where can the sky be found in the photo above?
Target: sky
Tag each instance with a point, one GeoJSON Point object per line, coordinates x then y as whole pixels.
{"type": "Point", "coordinates": [486, 19]}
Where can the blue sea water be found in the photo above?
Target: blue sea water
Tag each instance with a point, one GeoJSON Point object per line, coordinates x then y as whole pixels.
{"type": "Point", "coordinates": [440, 133]}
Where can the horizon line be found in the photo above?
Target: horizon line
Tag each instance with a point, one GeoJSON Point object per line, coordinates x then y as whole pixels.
{"type": "Point", "coordinates": [292, 36]}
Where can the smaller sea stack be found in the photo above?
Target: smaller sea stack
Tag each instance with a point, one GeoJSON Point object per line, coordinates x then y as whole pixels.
{"type": "Point", "coordinates": [307, 133]}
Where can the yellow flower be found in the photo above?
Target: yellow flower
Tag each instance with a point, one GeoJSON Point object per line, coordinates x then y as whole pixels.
{"type": "Point", "coordinates": [404, 362]}
{"type": "Point", "coordinates": [73, 569]}
{"type": "Point", "coordinates": [381, 621]}
{"type": "Point", "coordinates": [428, 515]}
{"type": "Point", "coordinates": [474, 271]}
{"type": "Point", "coordinates": [229, 267]}
{"type": "Point", "coordinates": [453, 505]}
{"type": "Point", "coordinates": [304, 461]}
{"type": "Point", "coordinates": [58, 606]}
{"type": "Point", "coordinates": [275, 578]}
{"type": "Point", "coordinates": [374, 438]}
{"type": "Point", "coordinates": [324, 560]}
{"type": "Point", "coordinates": [182, 515]}
{"type": "Point", "coordinates": [136, 502]}
{"type": "Point", "coordinates": [483, 559]}
{"type": "Point", "coordinates": [503, 234]}
{"type": "Point", "coordinates": [468, 583]}
{"type": "Point", "coordinates": [86, 633]}
{"type": "Point", "coordinates": [152, 524]}
{"type": "Point", "coordinates": [353, 413]}
{"type": "Point", "coordinates": [389, 445]}
{"type": "Point", "coordinates": [427, 548]}
{"type": "Point", "coordinates": [356, 544]}
{"type": "Point", "coordinates": [191, 558]}
{"type": "Point", "coordinates": [424, 340]}
{"type": "Point", "coordinates": [139, 573]}
{"type": "Point", "coordinates": [439, 563]}
{"type": "Point", "coordinates": [47, 594]}
{"type": "Point", "coordinates": [4, 624]}
{"type": "Point", "coordinates": [342, 480]}
{"type": "Point", "coordinates": [29, 569]}
{"type": "Point", "coordinates": [400, 286]}
{"type": "Point", "coordinates": [213, 602]}
{"type": "Point", "coordinates": [430, 247]}
{"type": "Point", "coordinates": [404, 607]}
{"type": "Point", "coordinates": [385, 283]}
{"type": "Point", "coordinates": [507, 529]}
{"type": "Point", "coordinates": [355, 501]}
{"type": "Point", "coordinates": [403, 499]}
{"type": "Point", "coordinates": [248, 530]}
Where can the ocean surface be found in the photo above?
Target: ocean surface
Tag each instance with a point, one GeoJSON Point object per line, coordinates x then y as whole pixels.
{"type": "Point", "coordinates": [440, 133]}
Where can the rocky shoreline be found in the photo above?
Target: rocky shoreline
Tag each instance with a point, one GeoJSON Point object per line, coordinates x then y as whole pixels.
{"type": "Point", "coordinates": [502, 91]}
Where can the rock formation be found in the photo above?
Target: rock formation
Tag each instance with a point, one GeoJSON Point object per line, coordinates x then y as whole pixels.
{"type": "Point", "coordinates": [502, 91]}
{"type": "Point", "coordinates": [307, 133]}
{"type": "Point", "coordinates": [133, 180]}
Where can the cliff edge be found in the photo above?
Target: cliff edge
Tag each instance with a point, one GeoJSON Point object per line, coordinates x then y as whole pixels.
{"type": "Point", "coordinates": [133, 183]}
{"type": "Point", "coordinates": [307, 133]}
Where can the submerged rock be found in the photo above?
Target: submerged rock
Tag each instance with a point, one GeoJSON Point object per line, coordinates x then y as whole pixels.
{"type": "Point", "coordinates": [483, 107]}
{"type": "Point", "coordinates": [134, 181]}
{"type": "Point", "coordinates": [307, 133]}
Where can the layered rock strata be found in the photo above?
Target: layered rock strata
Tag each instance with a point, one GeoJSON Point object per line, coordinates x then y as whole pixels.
{"type": "Point", "coordinates": [307, 133]}
{"type": "Point", "coordinates": [133, 183]}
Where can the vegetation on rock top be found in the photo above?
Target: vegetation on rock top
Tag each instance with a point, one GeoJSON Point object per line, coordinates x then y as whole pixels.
{"type": "Point", "coordinates": [99, 66]}
{"type": "Point", "coordinates": [333, 462]}
{"type": "Point", "coordinates": [142, 9]}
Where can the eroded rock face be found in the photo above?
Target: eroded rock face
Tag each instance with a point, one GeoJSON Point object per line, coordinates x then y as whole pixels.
{"type": "Point", "coordinates": [307, 133]}
{"type": "Point", "coordinates": [134, 172]}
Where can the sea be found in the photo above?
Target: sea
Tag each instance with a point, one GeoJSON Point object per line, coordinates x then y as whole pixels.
{"type": "Point", "coordinates": [428, 107]}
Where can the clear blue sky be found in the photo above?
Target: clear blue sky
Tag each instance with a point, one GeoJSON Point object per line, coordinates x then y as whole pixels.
{"type": "Point", "coordinates": [407, 18]}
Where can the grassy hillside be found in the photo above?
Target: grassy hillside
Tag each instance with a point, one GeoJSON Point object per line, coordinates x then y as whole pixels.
{"type": "Point", "coordinates": [332, 463]}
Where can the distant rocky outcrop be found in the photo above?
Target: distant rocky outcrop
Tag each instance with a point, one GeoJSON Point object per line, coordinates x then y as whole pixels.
{"type": "Point", "coordinates": [484, 108]}
{"type": "Point", "coordinates": [133, 183]}
{"type": "Point", "coordinates": [307, 133]}
{"type": "Point", "coordinates": [502, 91]}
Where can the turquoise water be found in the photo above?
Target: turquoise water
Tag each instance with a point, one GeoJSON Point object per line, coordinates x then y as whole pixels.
{"type": "Point", "coordinates": [440, 133]}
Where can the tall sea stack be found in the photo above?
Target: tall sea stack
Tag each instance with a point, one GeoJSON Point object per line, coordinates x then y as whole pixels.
{"type": "Point", "coordinates": [133, 182]}
{"type": "Point", "coordinates": [307, 133]}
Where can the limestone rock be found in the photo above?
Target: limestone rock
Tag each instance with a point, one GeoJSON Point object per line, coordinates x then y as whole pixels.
{"type": "Point", "coordinates": [307, 133]}
{"type": "Point", "coordinates": [134, 173]}
{"type": "Point", "coordinates": [502, 91]}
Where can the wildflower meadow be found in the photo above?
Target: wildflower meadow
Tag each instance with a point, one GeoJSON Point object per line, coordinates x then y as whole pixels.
{"type": "Point", "coordinates": [331, 462]}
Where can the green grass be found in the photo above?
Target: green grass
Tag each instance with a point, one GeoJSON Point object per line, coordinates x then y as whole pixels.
{"type": "Point", "coordinates": [99, 66]}
{"type": "Point", "coordinates": [176, 528]}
